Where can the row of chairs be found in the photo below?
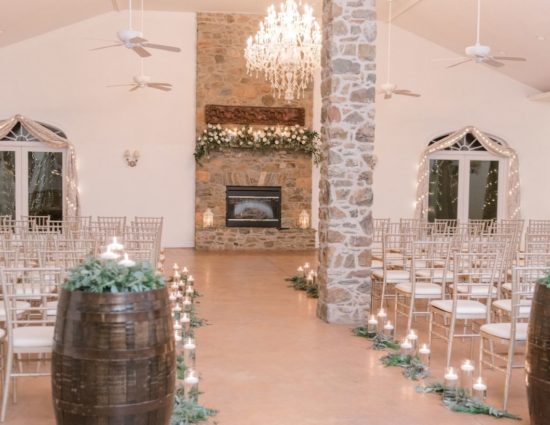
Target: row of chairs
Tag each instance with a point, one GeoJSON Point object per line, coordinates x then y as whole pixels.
{"type": "Point", "coordinates": [471, 281]}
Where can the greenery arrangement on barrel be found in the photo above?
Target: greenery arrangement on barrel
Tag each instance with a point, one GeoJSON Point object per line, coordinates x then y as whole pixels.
{"type": "Point", "coordinates": [293, 139]}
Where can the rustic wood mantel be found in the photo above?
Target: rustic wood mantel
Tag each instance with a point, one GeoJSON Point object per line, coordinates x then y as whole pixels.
{"type": "Point", "coordinates": [254, 115]}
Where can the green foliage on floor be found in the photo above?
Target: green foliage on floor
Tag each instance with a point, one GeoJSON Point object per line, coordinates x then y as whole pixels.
{"type": "Point", "coordinates": [300, 283]}
{"type": "Point", "coordinates": [188, 411]}
{"type": "Point", "coordinates": [413, 368]}
{"type": "Point", "coordinates": [379, 340]}
{"type": "Point", "coordinates": [458, 400]}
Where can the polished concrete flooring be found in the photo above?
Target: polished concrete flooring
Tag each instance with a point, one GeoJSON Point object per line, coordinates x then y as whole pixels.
{"type": "Point", "coordinates": [265, 359]}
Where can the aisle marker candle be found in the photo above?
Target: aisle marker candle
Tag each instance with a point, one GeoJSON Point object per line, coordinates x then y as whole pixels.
{"type": "Point", "coordinates": [382, 317]}
{"type": "Point", "coordinates": [109, 255]}
{"type": "Point", "coordinates": [480, 389]}
{"type": "Point", "coordinates": [115, 245]}
{"type": "Point", "coordinates": [451, 377]}
{"type": "Point", "coordinates": [185, 271]}
{"type": "Point", "coordinates": [425, 352]}
{"type": "Point", "coordinates": [189, 344]}
{"type": "Point", "coordinates": [467, 376]}
{"type": "Point", "coordinates": [126, 262]}
{"type": "Point", "coordinates": [389, 329]}
{"type": "Point", "coordinates": [413, 338]}
{"type": "Point", "coordinates": [406, 347]}
{"type": "Point", "coordinates": [372, 324]}
{"type": "Point", "coordinates": [175, 267]}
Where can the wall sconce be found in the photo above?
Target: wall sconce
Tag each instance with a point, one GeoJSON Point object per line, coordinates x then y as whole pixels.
{"type": "Point", "coordinates": [208, 218]}
{"type": "Point", "coordinates": [131, 157]}
{"type": "Point", "coordinates": [303, 220]}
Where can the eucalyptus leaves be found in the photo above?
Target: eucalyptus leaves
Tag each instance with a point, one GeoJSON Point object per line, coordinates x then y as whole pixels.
{"type": "Point", "coordinates": [294, 139]}
{"type": "Point", "coordinates": [96, 276]}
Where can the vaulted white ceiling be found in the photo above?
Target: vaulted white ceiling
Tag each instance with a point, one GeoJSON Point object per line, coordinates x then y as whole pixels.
{"type": "Point", "coordinates": [510, 27]}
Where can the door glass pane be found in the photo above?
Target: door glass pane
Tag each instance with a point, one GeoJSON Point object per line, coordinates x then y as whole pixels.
{"type": "Point", "coordinates": [46, 184]}
{"type": "Point", "coordinates": [7, 183]}
{"type": "Point", "coordinates": [443, 195]}
{"type": "Point", "coordinates": [483, 190]}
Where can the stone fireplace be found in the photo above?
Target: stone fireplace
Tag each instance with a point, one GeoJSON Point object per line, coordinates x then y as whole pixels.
{"type": "Point", "coordinates": [256, 199]}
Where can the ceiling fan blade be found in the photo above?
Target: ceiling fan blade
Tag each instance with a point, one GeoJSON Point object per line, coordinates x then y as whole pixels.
{"type": "Point", "coordinates": [406, 93]}
{"type": "Point", "coordinates": [141, 51]}
{"type": "Point", "coordinates": [457, 58]}
{"type": "Point", "coordinates": [158, 87]}
{"type": "Point", "coordinates": [138, 40]}
{"type": "Point", "coordinates": [121, 85]}
{"type": "Point", "coordinates": [107, 47]}
{"type": "Point", "coordinates": [509, 58]}
{"type": "Point", "coordinates": [492, 62]}
{"type": "Point", "coordinates": [162, 47]}
{"type": "Point", "coordinates": [387, 96]}
{"type": "Point", "coordinates": [115, 5]}
{"type": "Point", "coordinates": [161, 84]}
{"type": "Point", "coordinates": [459, 63]}
{"type": "Point", "coordinates": [136, 86]}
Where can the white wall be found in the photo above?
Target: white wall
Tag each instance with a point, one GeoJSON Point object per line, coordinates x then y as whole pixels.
{"type": "Point", "coordinates": [470, 94]}
{"type": "Point", "coordinates": [55, 78]}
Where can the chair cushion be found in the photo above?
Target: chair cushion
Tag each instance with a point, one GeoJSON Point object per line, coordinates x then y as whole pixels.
{"type": "Point", "coordinates": [464, 307]}
{"type": "Point", "coordinates": [506, 305]}
{"type": "Point", "coordinates": [392, 276]}
{"type": "Point", "coordinates": [507, 287]}
{"type": "Point", "coordinates": [435, 274]}
{"type": "Point", "coordinates": [477, 290]}
{"type": "Point", "coordinates": [504, 330]}
{"type": "Point", "coordinates": [21, 307]}
{"type": "Point", "coordinates": [421, 288]}
{"type": "Point", "coordinates": [377, 264]}
{"type": "Point", "coordinates": [33, 336]}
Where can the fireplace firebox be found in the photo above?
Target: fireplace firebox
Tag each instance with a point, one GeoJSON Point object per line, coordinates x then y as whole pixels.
{"type": "Point", "coordinates": [253, 206]}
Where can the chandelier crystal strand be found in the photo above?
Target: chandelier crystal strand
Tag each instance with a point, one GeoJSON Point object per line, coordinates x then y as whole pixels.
{"type": "Point", "coordinates": [286, 49]}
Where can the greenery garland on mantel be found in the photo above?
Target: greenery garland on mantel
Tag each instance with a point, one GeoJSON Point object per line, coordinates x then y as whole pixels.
{"type": "Point", "coordinates": [216, 138]}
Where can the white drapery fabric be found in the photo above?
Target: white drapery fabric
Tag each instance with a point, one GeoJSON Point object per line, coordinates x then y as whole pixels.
{"type": "Point", "coordinates": [513, 198]}
{"type": "Point", "coordinates": [71, 202]}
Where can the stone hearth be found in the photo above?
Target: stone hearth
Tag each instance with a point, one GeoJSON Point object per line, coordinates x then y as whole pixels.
{"type": "Point", "coordinates": [289, 170]}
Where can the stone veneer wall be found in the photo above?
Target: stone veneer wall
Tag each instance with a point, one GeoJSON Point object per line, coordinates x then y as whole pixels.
{"type": "Point", "coordinates": [222, 80]}
{"type": "Point", "coordinates": [345, 216]}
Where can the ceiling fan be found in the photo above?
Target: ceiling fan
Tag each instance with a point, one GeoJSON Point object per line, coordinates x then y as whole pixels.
{"type": "Point", "coordinates": [388, 89]}
{"type": "Point", "coordinates": [480, 53]}
{"type": "Point", "coordinates": [142, 81]}
{"type": "Point", "coordinates": [133, 39]}
{"type": "Point", "coordinates": [115, 5]}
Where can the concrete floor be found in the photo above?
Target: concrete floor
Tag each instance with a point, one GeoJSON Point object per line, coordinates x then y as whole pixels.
{"type": "Point", "coordinates": [265, 359]}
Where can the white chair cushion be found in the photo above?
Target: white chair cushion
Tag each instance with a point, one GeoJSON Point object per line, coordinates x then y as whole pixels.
{"type": "Point", "coordinates": [377, 264]}
{"type": "Point", "coordinates": [464, 307]}
{"type": "Point", "coordinates": [506, 305]}
{"type": "Point", "coordinates": [421, 288]}
{"type": "Point", "coordinates": [33, 336]}
{"type": "Point", "coordinates": [21, 307]}
{"type": "Point", "coordinates": [393, 276]}
{"type": "Point", "coordinates": [504, 330]}
{"type": "Point", "coordinates": [476, 290]}
{"type": "Point", "coordinates": [51, 308]}
{"type": "Point", "coordinates": [435, 274]}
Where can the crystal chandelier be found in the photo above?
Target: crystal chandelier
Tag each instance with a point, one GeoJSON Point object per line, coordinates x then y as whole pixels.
{"type": "Point", "coordinates": [287, 49]}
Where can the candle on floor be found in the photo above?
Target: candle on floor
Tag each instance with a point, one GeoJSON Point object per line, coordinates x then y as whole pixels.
{"type": "Point", "coordinates": [185, 272]}
{"type": "Point", "coordinates": [189, 291]}
{"type": "Point", "coordinates": [172, 297]}
{"type": "Point", "coordinates": [300, 270]}
{"type": "Point", "coordinates": [175, 267]}
{"type": "Point", "coordinates": [177, 308]}
{"type": "Point", "coordinates": [115, 245]}
{"type": "Point", "coordinates": [109, 255]}
{"type": "Point", "coordinates": [177, 336]}
{"type": "Point", "coordinates": [177, 325]}
{"type": "Point", "coordinates": [189, 344]}
{"type": "Point", "coordinates": [382, 318]}
{"type": "Point", "coordinates": [405, 347]}
{"type": "Point", "coordinates": [177, 275]}
{"type": "Point", "coordinates": [451, 378]}
{"type": "Point", "coordinates": [412, 336]}
{"type": "Point", "coordinates": [388, 330]}
{"type": "Point", "coordinates": [480, 389]}
{"type": "Point", "coordinates": [425, 353]}
{"type": "Point", "coordinates": [467, 376]}
{"type": "Point", "coordinates": [191, 381]}
{"type": "Point", "coordinates": [372, 324]}
{"type": "Point", "coordinates": [126, 262]}
{"type": "Point", "coordinates": [190, 280]}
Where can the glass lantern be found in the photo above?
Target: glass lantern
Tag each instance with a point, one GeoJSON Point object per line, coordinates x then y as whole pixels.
{"type": "Point", "coordinates": [208, 219]}
{"type": "Point", "coordinates": [303, 220]}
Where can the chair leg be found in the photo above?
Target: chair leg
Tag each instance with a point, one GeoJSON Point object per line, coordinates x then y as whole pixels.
{"type": "Point", "coordinates": [430, 327]}
{"type": "Point", "coordinates": [480, 365]}
{"type": "Point", "coordinates": [9, 364]}
{"type": "Point", "coordinates": [410, 313]}
{"type": "Point", "coordinates": [509, 369]}
{"type": "Point", "coordinates": [450, 342]}
{"type": "Point", "coordinates": [395, 313]}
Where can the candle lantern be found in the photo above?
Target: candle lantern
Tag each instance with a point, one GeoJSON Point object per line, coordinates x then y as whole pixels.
{"type": "Point", "coordinates": [467, 376]}
{"type": "Point", "coordinates": [191, 384]}
{"type": "Point", "coordinates": [451, 378]}
{"type": "Point", "coordinates": [424, 353]}
{"type": "Point", "coordinates": [382, 318]}
{"type": "Point", "coordinates": [189, 351]}
{"type": "Point", "coordinates": [480, 389]}
{"type": "Point", "coordinates": [208, 218]}
{"type": "Point", "coordinates": [303, 220]}
{"type": "Point", "coordinates": [372, 324]}
{"type": "Point", "coordinates": [412, 336]}
{"type": "Point", "coordinates": [389, 330]}
{"type": "Point", "coordinates": [405, 347]}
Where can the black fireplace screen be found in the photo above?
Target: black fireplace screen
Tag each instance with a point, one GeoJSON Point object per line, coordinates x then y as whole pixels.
{"type": "Point", "coordinates": [253, 206]}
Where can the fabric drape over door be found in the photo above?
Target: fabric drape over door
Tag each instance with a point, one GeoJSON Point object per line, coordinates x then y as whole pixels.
{"type": "Point", "coordinates": [513, 198]}
{"type": "Point", "coordinates": [71, 201]}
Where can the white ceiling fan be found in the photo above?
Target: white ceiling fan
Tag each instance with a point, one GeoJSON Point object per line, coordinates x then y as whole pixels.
{"type": "Point", "coordinates": [388, 89]}
{"type": "Point", "coordinates": [480, 53]}
{"type": "Point", "coordinates": [133, 39]}
{"type": "Point", "coordinates": [142, 81]}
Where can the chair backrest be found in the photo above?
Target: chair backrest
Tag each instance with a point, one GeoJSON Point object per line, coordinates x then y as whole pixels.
{"type": "Point", "coordinates": [524, 281]}
{"type": "Point", "coordinates": [476, 273]}
{"type": "Point", "coordinates": [28, 294]}
{"type": "Point", "coordinates": [538, 226]}
{"type": "Point", "coordinates": [537, 242]}
{"type": "Point", "coordinates": [397, 249]}
{"type": "Point", "coordinates": [431, 262]}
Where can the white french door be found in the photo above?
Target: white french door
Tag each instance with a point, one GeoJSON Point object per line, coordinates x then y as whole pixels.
{"type": "Point", "coordinates": [31, 180]}
{"type": "Point", "coordinates": [466, 185]}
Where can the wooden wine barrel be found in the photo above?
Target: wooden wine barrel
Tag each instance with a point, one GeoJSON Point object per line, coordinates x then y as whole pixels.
{"type": "Point", "coordinates": [113, 361]}
{"type": "Point", "coordinates": [537, 362]}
